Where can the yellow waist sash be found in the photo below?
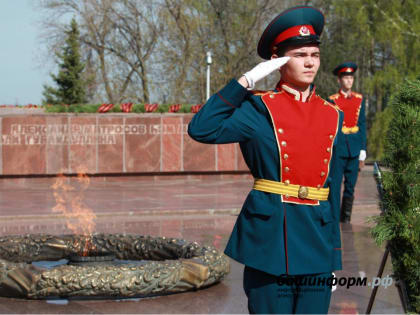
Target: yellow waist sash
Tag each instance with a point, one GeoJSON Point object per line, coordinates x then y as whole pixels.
{"type": "Point", "coordinates": [348, 130]}
{"type": "Point", "coordinates": [303, 192]}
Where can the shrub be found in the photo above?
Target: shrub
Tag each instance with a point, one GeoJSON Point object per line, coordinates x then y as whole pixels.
{"type": "Point", "coordinates": [400, 224]}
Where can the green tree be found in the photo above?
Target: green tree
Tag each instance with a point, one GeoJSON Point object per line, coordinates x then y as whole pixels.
{"type": "Point", "coordinates": [69, 80]}
{"type": "Point", "coordinates": [377, 134]}
{"type": "Point", "coordinates": [229, 29]}
{"type": "Point", "coordinates": [400, 224]}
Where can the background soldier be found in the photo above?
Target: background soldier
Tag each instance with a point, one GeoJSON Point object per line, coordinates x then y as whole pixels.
{"type": "Point", "coordinates": [353, 153]}
{"type": "Point", "coordinates": [287, 234]}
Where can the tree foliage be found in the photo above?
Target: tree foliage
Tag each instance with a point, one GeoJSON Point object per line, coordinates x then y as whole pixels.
{"type": "Point", "coordinates": [225, 28]}
{"type": "Point", "coordinates": [400, 224]}
{"type": "Point", "coordinates": [118, 39]}
{"type": "Point", "coordinates": [70, 84]}
{"type": "Point", "coordinates": [377, 134]}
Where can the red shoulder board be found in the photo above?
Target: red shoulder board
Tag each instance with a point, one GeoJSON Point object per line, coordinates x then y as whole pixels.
{"type": "Point", "coordinates": [305, 133]}
{"type": "Point", "coordinates": [334, 96]}
{"type": "Point", "coordinates": [331, 104]}
{"type": "Point", "coordinates": [358, 95]}
{"type": "Point", "coordinates": [260, 92]}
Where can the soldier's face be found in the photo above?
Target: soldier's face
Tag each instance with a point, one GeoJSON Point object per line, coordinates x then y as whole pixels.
{"type": "Point", "coordinates": [303, 65]}
{"type": "Point", "coordinates": [346, 81]}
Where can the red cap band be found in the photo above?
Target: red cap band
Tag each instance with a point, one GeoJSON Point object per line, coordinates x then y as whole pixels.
{"type": "Point", "coordinates": [346, 70]}
{"type": "Point", "coordinates": [298, 30]}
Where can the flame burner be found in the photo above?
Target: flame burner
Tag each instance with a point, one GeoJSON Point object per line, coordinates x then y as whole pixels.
{"type": "Point", "coordinates": [137, 266]}
{"type": "Point", "coordinates": [98, 258]}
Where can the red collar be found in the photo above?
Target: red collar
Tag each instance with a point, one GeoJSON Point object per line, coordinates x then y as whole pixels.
{"type": "Point", "coordinates": [346, 95]}
{"type": "Point", "coordinates": [297, 95]}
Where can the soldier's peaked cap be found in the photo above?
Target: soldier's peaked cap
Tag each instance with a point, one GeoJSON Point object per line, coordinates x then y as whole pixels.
{"type": "Point", "coordinates": [346, 68]}
{"type": "Point", "coordinates": [296, 26]}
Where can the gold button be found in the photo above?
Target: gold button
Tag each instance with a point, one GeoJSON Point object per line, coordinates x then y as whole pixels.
{"type": "Point", "coordinates": [303, 192]}
{"type": "Point", "coordinates": [283, 143]}
{"type": "Point", "coordinates": [286, 196]}
{"type": "Point", "coordinates": [322, 174]}
{"type": "Point", "coordinates": [331, 137]}
{"type": "Point", "coordinates": [318, 186]}
{"type": "Point", "coordinates": [328, 149]}
{"type": "Point", "coordinates": [285, 156]}
{"type": "Point", "coordinates": [280, 130]}
{"type": "Point", "coordinates": [287, 182]}
{"type": "Point", "coordinates": [271, 96]}
{"type": "Point", "coordinates": [286, 169]}
{"type": "Point", "coordinates": [325, 161]}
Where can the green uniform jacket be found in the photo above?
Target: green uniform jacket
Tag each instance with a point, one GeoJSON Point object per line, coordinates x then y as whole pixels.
{"type": "Point", "coordinates": [270, 235]}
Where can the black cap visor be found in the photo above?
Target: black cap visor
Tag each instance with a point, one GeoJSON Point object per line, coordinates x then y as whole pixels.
{"type": "Point", "coordinates": [297, 41]}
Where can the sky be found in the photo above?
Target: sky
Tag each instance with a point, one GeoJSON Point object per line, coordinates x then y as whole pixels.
{"type": "Point", "coordinates": [24, 67]}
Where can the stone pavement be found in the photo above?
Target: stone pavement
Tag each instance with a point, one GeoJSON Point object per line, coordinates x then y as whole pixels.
{"type": "Point", "coordinates": [196, 208]}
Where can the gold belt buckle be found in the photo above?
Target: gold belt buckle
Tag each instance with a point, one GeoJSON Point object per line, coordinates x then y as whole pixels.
{"type": "Point", "coordinates": [303, 192]}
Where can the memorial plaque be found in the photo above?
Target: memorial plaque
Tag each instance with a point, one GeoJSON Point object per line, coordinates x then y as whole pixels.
{"type": "Point", "coordinates": [23, 145]}
{"type": "Point", "coordinates": [111, 134]}
{"type": "Point", "coordinates": [57, 155]}
{"type": "Point", "coordinates": [108, 143]}
{"type": "Point", "coordinates": [142, 143]}
{"type": "Point", "coordinates": [83, 149]}
{"type": "Point", "coordinates": [198, 156]}
{"type": "Point", "coordinates": [226, 157]}
{"type": "Point", "coordinates": [173, 131]}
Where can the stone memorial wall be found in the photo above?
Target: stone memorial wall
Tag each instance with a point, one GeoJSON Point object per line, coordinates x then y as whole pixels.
{"type": "Point", "coordinates": [108, 143]}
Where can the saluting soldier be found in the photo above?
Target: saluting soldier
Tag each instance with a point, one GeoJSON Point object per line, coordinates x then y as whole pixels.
{"type": "Point", "coordinates": [353, 154]}
{"type": "Point", "coordinates": [287, 234]}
